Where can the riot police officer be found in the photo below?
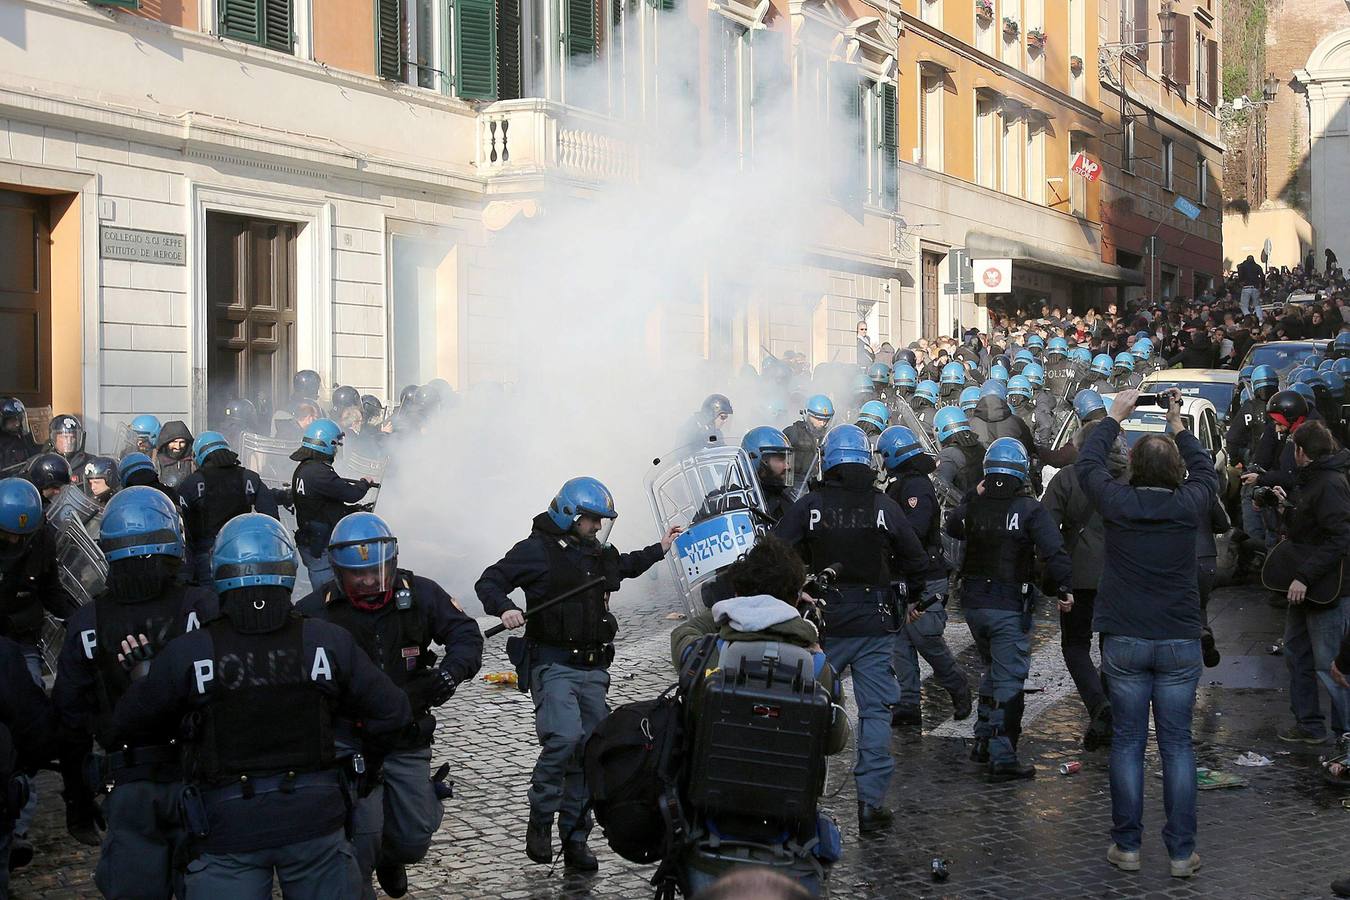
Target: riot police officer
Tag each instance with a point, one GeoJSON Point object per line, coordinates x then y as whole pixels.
{"type": "Point", "coordinates": [16, 440]}
{"type": "Point", "coordinates": [218, 491]}
{"type": "Point", "coordinates": [953, 382]}
{"type": "Point", "coordinates": [100, 480]}
{"type": "Point", "coordinates": [770, 452]}
{"type": "Point", "coordinates": [173, 452]}
{"type": "Point", "coordinates": [49, 473]}
{"type": "Point", "coordinates": [960, 454]}
{"type": "Point", "coordinates": [1122, 373]}
{"type": "Point", "coordinates": [395, 615]}
{"type": "Point", "coordinates": [907, 468]}
{"type": "Point", "coordinates": [565, 656]}
{"type": "Point", "coordinates": [904, 379]}
{"type": "Point", "coordinates": [1061, 370]}
{"type": "Point", "coordinates": [924, 402]}
{"type": "Point", "coordinates": [143, 435]}
{"type": "Point", "coordinates": [238, 417]}
{"type": "Point", "coordinates": [258, 688]}
{"type": "Point", "coordinates": [65, 436]}
{"type": "Point", "coordinates": [806, 434]}
{"type": "Point", "coordinates": [1004, 528]}
{"type": "Point", "coordinates": [344, 397]}
{"type": "Point", "coordinates": [1244, 436]}
{"type": "Point", "coordinates": [321, 496]}
{"type": "Point", "coordinates": [873, 419]}
{"type": "Point", "coordinates": [880, 375]}
{"type": "Point", "coordinates": [862, 535]}
{"type": "Point", "coordinates": [136, 470]}
{"type": "Point", "coordinates": [1100, 374]}
{"type": "Point", "coordinates": [109, 644]}
{"type": "Point", "coordinates": [993, 418]}
{"type": "Point", "coordinates": [706, 425]}
{"type": "Point", "coordinates": [1045, 406]}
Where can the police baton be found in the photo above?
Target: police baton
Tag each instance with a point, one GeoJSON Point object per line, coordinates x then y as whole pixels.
{"type": "Point", "coordinates": [548, 604]}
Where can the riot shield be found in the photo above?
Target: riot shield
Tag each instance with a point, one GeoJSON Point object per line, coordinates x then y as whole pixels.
{"type": "Point", "coordinates": [1066, 387]}
{"type": "Point", "coordinates": [127, 441]}
{"type": "Point", "coordinates": [269, 457]}
{"type": "Point", "coordinates": [80, 563]}
{"type": "Point", "coordinates": [714, 495]}
{"type": "Point", "coordinates": [350, 464]}
{"type": "Point", "coordinates": [906, 416]}
{"type": "Point", "coordinates": [71, 504]}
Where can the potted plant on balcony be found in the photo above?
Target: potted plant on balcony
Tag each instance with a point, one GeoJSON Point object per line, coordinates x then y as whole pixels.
{"type": "Point", "coordinates": [1010, 27]}
{"type": "Point", "coordinates": [1076, 65]}
{"type": "Point", "coordinates": [984, 10]}
{"type": "Point", "coordinates": [1036, 39]}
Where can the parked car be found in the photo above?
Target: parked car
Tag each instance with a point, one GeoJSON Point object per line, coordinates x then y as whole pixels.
{"type": "Point", "coordinates": [1281, 355]}
{"type": "Point", "coordinates": [1218, 386]}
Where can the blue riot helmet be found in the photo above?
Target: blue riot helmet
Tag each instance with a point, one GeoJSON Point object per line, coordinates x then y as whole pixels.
{"type": "Point", "coordinates": [1326, 365]}
{"type": "Point", "coordinates": [896, 445]}
{"type": "Point", "coordinates": [1245, 374]}
{"type": "Point", "coordinates": [927, 390]}
{"type": "Point", "coordinates": [1021, 360]}
{"type": "Point", "coordinates": [1088, 405]}
{"type": "Point", "coordinates": [774, 409]}
{"type": "Point", "coordinates": [863, 387]}
{"type": "Point", "coordinates": [819, 412]}
{"type": "Point", "coordinates": [1035, 374]}
{"type": "Point", "coordinates": [1124, 362]}
{"type": "Point", "coordinates": [145, 428]}
{"type": "Point", "coordinates": [323, 436]}
{"type": "Point", "coordinates": [904, 376]}
{"type": "Point", "coordinates": [1007, 456]}
{"type": "Point", "coordinates": [1342, 367]}
{"type": "Point", "coordinates": [364, 555]}
{"type": "Point", "coordinates": [994, 387]}
{"type": "Point", "coordinates": [141, 521]}
{"type": "Point", "coordinates": [1057, 345]}
{"type": "Point", "coordinates": [1340, 348]}
{"type": "Point", "coordinates": [1101, 364]}
{"type": "Point", "coordinates": [1305, 390]}
{"type": "Point", "coordinates": [1141, 350]}
{"type": "Point", "coordinates": [584, 497]}
{"type": "Point", "coordinates": [1081, 355]}
{"type": "Point", "coordinates": [874, 413]}
{"type": "Point", "coordinates": [1265, 382]}
{"type": "Point", "coordinates": [1303, 373]}
{"type": "Point", "coordinates": [1318, 384]}
{"type": "Point", "coordinates": [949, 422]}
{"type": "Point", "coordinates": [133, 463]}
{"type": "Point", "coordinates": [209, 442]}
{"type": "Point", "coordinates": [1020, 387]}
{"type": "Point", "coordinates": [253, 550]}
{"type": "Point", "coordinates": [1335, 383]}
{"type": "Point", "coordinates": [770, 453]}
{"type": "Point", "coordinates": [845, 444]}
{"type": "Point", "coordinates": [969, 397]}
{"type": "Point", "coordinates": [880, 373]}
{"type": "Point", "coordinates": [20, 515]}
{"type": "Point", "coordinates": [953, 374]}
{"type": "Point", "coordinates": [998, 373]}
{"type": "Point", "coordinates": [1312, 360]}
{"type": "Point", "coordinates": [1035, 342]}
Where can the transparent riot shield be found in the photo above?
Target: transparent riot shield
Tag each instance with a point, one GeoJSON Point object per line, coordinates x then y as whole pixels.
{"type": "Point", "coordinates": [350, 464]}
{"type": "Point", "coordinates": [906, 416]}
{"type": "Point", "coordinates": [71, 504]}
{"type": "Point", "coordinates": [269, 457]}
{"type": "Point", "coordinates": [80, 563]}
{"type": "Point", "coordinates": [714, 495]}
{"type": "Point", "coordinates": [127, 441]}
{"type": "Point", "coordinates": [1064, 387]}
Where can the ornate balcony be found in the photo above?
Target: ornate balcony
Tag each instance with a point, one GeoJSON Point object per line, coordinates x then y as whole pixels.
{"type": "Point", "coordinates": [533, 137]}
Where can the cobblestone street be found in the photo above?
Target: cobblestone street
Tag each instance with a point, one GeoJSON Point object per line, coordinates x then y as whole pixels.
{"type": "Point", "coordinates": [1278, 837]}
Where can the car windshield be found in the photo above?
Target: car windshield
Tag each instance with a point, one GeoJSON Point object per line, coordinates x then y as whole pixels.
{"type": "Point", "coordinates": [1216, 392]}
{"type": "Point", "coordinates": [1142, 423]}
{"type": "Point", "coordinates": [1281, 356]}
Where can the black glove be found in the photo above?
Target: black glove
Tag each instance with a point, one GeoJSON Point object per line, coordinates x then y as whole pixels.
{"type": "Point", "coordinates": [442, 687]}
{"type": "Point", "coordinates": [135, 651]}
{"type": "Point", "coordinates": [84, 820]}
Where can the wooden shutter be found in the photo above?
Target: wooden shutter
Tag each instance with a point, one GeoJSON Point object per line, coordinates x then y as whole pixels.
{"type": "Point", "coordinates": [580, 36]}
{"type": "Point", "coordinates": [890, 145]}
{"type": "Point", "coordinates": [389, 38]}
{"type": "Point", "coordinates": [1213, 48]}
{"type": "Point", "coordinates": [508, 50]}
{"type": "Point", "coordinates": [849, 131]}
{"type": "Point", "coordinates": [1181, 49]}
{"type": "Point", "coordinates": [1141, 28]}
{"type": "Point", "coordinates": [277, 25]}
{"type": "Point", "coordinates": [475, 50]}
{"type": "Point", "coordinates": [241, 20]}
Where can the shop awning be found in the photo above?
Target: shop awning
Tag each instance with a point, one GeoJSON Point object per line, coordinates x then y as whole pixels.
{"type": "Point", "coordinates": [1093, 271]}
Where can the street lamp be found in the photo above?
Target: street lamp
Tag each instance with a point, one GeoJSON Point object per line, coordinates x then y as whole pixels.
{"type": "Point", "coordinates": [1270, 87]}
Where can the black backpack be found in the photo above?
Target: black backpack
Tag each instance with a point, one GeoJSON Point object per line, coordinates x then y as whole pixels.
{"type": "Point", "coordinates": [632, 764]}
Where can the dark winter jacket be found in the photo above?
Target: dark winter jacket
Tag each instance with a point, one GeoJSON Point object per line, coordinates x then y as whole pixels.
{"type": "Point", "coordinates": [1319, 522]}
{"type": "Point", "coordinates": [993, 419]}
{"type": "Point", "coordinates": [1079, 522]}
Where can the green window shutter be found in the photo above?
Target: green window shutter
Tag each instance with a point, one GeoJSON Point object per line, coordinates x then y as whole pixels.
{"type": "Point", "coordinates": [475, 50]}
{"type": "Point", "coordinates": [123, 4]}
{"type": "Point", "coordinates": [508, 50]}
{"type": "Point", "coordinates": [580, 37]}
{"type": "Point", "coordinates": [277, 25]}
{"type": "Point", "coordinates": [241, 20]}
{"type": "Point", "coordinates": [389, 38]}
{"type": "Point", "coordinates": [890, 146]}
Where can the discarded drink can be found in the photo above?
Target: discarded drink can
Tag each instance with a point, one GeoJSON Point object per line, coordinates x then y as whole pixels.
{"type": "Point", "coordinates": [940, 872]}
{"type": "Point", "coordinates": [1070, 768]}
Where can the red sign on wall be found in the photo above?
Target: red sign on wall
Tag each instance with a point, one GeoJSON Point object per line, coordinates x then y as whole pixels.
{"type": "Point", "coordinates": [1085, 166]}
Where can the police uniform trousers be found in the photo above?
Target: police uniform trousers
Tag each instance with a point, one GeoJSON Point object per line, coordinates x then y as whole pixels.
{"type": "Point", "coordinates": [1003, 641]}
{"type": "Point", "coordinates": [145, 846]}
{"type": "Point", "coordinates": [876, 690]}
{"type": "Point", "coordinates": [569, 702]}
{"type": "Point", "coordinates": [32, 658]}
{"type": "Point", "coordinates": [321, 868]}
{"type": "Point", "coordinates": [926, 638]}
{"type": "Point", "coordinates": [397, 819]}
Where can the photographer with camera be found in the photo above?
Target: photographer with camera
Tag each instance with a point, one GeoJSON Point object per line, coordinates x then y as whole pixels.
{"type": "Point", "coordinates": [1316, 518]}
{"type": "Point", "coordinates": [1148, 612]}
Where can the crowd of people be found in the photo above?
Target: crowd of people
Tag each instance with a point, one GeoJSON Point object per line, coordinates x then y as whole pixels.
{"type": "Point", "coordinates": [213, 731]}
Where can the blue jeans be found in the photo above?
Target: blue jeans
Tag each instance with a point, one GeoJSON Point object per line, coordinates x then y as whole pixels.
{"type": "Point", "coordinates": [1162, 674]}
{"type": "Point", "coordinates": [1004, 645]}
{"type": "Point", "coordinates": [1312, 638]}
{"type": "Point", "coordinates": [876, 690]}
{"type": "Point", "coordinates": [1254, 520]}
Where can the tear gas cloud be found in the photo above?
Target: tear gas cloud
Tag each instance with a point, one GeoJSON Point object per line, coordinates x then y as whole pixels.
{"type": "Point", "coordinates": [592, 330]}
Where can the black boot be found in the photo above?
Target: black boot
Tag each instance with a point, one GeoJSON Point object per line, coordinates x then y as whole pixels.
{"type": "Point", "coordinates": [872, 819]}
{"type": "Point", "coordinates": [902, 716]}
{"type": "Point", "coordinates": [576, 855]}
{"type": "Point", "coordinates": [20, 851]}
{"type": "Point", "coordinates": [1100, 729]}
{"type": "Point", "coordinates": [1209, 649]}
{"type": "Point", "coordinates": [393, 878]}
{"type": "Point", "coordinates": [539, 839]}
{"type": "Point", "coordinates": [979, 751]}
{"type": "Point", "coordinates": [1011, 771]}
{"type": "Point", "coordinates": [962, 704]}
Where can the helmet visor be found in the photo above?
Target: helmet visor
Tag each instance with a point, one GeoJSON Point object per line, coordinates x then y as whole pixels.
{"type": "Point", "coordinates": [368, 583]}
{"type": "Point", "coordinates": [589, 526]}
{"type": "Point", "coordinates": [775, 468]}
